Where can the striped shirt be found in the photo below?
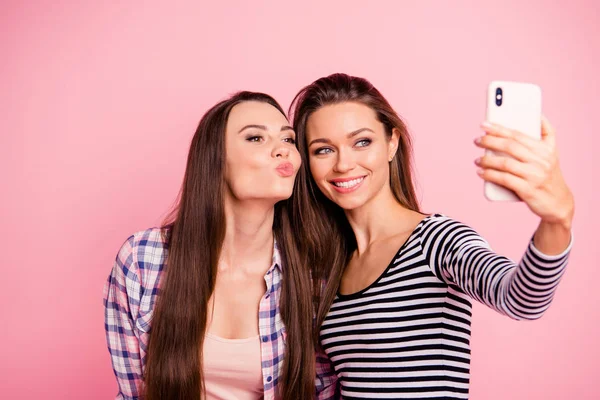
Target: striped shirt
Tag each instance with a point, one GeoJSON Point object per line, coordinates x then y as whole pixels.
{"type": "Point", "coordinates": [129, 298]}
{"type": "Point", "coordinates": [406, 336]}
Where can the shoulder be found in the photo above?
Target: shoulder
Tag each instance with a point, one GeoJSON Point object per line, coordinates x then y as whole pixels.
{"type": "Point", "coordinates": [436, 222]}
{"type": "Point", "coordinates": [438, 228]}
{"type": "Point", "coordinates": [149, 245]}
{"type": "Point", "coordinates": [142, 256]}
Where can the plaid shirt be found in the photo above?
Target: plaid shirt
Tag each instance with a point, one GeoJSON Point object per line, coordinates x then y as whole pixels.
{"type": "Point", "coordinates": [129, 298]}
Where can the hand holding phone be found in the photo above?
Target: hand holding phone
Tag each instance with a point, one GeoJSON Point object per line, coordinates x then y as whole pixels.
{"type": "Point", "coordinates": [516, 106]}
{"type": "Point", "coordinates": [521, 158]}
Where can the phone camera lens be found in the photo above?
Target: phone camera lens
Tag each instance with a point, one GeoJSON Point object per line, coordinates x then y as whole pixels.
{"type": "Point", "coordinates": [498, 97]}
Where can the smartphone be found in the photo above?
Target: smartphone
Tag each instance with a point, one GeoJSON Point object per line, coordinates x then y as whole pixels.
{"type": "Point", "coordinates": [518, 106]}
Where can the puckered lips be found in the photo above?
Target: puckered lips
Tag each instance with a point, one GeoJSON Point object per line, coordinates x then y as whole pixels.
{"type": "Point", "coordinates": [285, 169]}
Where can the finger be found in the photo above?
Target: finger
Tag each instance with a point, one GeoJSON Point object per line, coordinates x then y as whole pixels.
{"type": "Point", "coordinates": [502, 131]}
{"type": "Point", "coordinates": [548, 132]}
{"type": "Point", "coordinates": [505, 179]}
{"type": "Point", "coordinates": [506, 164]}
{"type": "Point", "coordinates": [507, 146]}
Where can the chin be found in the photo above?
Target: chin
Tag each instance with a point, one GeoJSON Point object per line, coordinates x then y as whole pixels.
{"type": "Point", "coordinates": [273, 195]}
{"type": "Point", "coordinates": [282, 194]}
{"type": "Point", "coordinates": [349, 203]}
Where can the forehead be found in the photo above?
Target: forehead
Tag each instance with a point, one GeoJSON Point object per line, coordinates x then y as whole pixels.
{"type": "Point", "coordinates": [256, 113]}
{"type": "Point", "coordinates": [341, 118]}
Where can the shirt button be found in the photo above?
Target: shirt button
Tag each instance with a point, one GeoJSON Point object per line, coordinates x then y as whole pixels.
{"type": "Point", "coordinates": [269, 272]}
{"type": "Point", "coordinates": [269, 379]}
{"type": "Point", "coordinates": [265, 339]}
{"type": "Point", "coordinates": [267, 296]}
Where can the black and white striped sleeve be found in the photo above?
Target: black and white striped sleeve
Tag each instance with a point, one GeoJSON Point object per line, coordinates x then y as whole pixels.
{"type": "Point", "coordinates": [463, 259]}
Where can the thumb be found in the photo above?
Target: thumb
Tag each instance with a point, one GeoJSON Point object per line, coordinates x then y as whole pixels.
{"type": "Point", "coordinates": [548, 132]}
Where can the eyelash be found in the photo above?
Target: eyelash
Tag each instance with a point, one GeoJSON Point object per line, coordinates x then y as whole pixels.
{"type": "Point", "coordinates": [321, 151]}
{"type": "Point", "coordinates": [251, 139]}
{"type": "Point", "coordinates": [367, 141]}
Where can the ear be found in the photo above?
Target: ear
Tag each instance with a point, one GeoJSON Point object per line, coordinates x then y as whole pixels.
{"type": "Point", "coordinates": [393, 144]}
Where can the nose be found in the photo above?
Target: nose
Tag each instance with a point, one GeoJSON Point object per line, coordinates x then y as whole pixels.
{"type": "Point", "coordinates": [344, 163]}
{"type": "Point", "coordinates": [280, 151]}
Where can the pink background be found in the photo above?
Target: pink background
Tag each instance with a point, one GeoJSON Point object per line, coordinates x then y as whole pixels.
{"type": "Point", "coordinates": [99, 102]}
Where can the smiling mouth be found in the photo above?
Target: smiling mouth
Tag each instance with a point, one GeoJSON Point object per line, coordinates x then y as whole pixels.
{"type": "Point", "coordinates": [348, 184]}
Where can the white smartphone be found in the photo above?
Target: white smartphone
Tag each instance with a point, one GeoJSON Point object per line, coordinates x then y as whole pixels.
{"type": "Point", "coordinates": [518, 106]}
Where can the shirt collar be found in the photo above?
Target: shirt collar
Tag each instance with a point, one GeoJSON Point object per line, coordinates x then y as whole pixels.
{"type": "Point", "coordinates": [276, 261]}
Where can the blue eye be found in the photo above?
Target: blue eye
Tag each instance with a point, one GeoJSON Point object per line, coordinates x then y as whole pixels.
{"type": "Point", "coordinates": [363, 143]}
{"type": "Point", "coordinates": [322, 151]}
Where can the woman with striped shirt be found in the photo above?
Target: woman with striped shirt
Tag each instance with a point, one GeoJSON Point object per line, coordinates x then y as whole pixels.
{"type": "Point", "coordinates": [395, 312]}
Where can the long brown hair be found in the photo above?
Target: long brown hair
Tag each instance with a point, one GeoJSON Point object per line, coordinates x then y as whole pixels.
{"type": "Point", "coordinates": [195, 231]}
{"type": "Point", "coordinates": [329, 241]}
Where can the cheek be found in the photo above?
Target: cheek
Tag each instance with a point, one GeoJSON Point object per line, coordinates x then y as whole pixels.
{"type": "Point", "coordinates": [243, 170]}
{"type": "Point", "coordinates": [318, 169]}
{"type": "Point", "coordinates": [376, 159]}
{"type": "Point", "coordinates": [295, 158]}
{"type": "Point", "coordinates": [241, 161]}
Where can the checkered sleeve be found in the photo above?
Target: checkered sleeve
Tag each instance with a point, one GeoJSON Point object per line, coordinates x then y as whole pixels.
{"type": "Point", "coordinates": [121, 305]}
{"type": "Point", "coordinates": [326, 382]}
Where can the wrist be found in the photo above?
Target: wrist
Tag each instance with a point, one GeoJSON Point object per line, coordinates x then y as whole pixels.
{"type": "Point", "coordinates": [564, 219]}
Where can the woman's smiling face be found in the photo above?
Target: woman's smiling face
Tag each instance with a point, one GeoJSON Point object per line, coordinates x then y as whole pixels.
{"type": "Point", "coordinates": [349, 153]}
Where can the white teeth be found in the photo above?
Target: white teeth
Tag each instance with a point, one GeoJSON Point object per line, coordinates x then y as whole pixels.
{"type": "Point", "coordinates": [349, 184]}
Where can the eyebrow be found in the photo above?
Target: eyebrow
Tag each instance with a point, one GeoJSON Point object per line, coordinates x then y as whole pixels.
{"type": "Point", "coordinates": [264, 128]}
{"type": "Point", "coordinates": [349, 136]}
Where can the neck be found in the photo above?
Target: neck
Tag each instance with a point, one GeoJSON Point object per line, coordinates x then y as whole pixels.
{"type": "Point", "coordinates": [248, 234]}
{"type": "Point", "coordinates": [377, 219]}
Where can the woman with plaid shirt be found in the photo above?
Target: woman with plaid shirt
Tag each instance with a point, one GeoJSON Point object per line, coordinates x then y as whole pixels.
{"type": "Point", "coordinates": [217, 303]}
